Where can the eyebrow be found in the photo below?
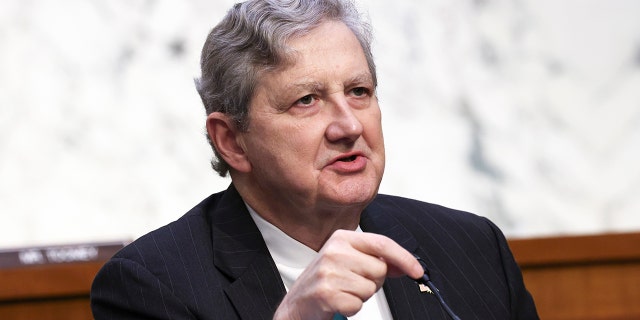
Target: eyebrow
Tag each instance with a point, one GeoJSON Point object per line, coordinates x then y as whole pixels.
{"type": "Point", "coordinates": [281, 99]}
{"type": "Point", "coordinates": [314, 86]}
{"type": "Point", "coordinates": [364, 77]}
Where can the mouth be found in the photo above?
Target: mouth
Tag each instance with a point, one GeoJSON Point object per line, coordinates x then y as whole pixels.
{"type": "Point", "coordinates": [349, 163]}
{"type": "Point", "coordinates": [348, 159]}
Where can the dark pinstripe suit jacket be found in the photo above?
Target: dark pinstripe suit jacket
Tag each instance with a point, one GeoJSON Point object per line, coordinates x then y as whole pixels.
{"type": "Point", "coordinates": [213, 264]}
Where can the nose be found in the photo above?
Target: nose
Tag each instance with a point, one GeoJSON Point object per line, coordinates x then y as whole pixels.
{"type": "Point", "coordinates": [345, 124]}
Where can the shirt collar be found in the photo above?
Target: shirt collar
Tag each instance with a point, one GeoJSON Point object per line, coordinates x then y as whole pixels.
{"type": "Point", "coordinates": [283, 248]}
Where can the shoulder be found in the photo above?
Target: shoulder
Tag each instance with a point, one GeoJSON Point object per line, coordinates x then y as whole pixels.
{"type": "Point", "coordinates": [171, 265]}
{"type": "Point", "coordinates": [416, 210]}
{"type": "Point", "coordinates": [433, 224]}
{"type": "Point", "coordinates": [189, 235]}
{"type": "Point", "coordinates": [462, 250]}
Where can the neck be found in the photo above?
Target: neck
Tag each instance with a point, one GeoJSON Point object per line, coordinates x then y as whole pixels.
{"type": "Point", "coordinates": [311, 225]}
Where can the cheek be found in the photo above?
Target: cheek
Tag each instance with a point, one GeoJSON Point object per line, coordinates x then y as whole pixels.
{"type": "Point", "coordinates": [287, 143]}
{"type": "Point", "coordinates": [373, 129]}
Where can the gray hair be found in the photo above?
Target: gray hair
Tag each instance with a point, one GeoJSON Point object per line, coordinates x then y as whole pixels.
{"type": "Point", "coordinates": [251, 39]}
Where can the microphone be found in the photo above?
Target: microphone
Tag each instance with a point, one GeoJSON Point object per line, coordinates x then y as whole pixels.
{"type": "Point", "coordinates": [426, 280]}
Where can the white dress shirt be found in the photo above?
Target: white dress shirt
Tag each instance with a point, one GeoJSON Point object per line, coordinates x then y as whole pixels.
{"type": "Point", "coordinates": [292, 257]}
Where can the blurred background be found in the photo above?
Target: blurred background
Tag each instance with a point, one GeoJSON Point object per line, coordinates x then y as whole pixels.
{"type": "Point", "coordinates": [523, 111]}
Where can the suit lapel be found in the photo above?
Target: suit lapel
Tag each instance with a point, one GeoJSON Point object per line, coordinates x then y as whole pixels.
{"type": "Point", "coordinates": [377, 220]}
{"type": "Point", "coordinates": [239, 252]}
{"type": "Point", "coordinates": [257, 292]}
{"type": "Point", "coordinates": [405, 299]}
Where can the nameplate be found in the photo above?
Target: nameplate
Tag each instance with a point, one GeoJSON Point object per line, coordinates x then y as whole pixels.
{"type": "Point", "coordinates": [77, 253]}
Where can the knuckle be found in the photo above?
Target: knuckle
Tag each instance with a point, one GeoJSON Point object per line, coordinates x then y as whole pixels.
{"type": "Point", "coordinates": [323, 274]}
{"type": "Point", "coordinates": [340, 234]}
{"type": "Point", "coordinates": [371, 289]}
{"type": "Point", "coordinates": [323, 291]}
{"type": "Point", "coordinates": [380, 269]}
{"type": "Point", "coordinates": [352, 307]}
{"type": "Point", "coordinates": [378, 244]}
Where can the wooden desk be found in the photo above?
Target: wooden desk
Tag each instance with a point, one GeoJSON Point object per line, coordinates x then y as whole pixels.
{"type": "Point", "coordinates": [50, 283]}
{"type": "Point", "coordinates": [582, 277]}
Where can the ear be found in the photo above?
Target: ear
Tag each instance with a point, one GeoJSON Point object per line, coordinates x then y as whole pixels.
{"type": "Point", "coordinates": [224, 136]}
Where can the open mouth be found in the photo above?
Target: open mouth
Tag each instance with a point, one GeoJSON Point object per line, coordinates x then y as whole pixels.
{"type": "Point", "coordinates": [348, 159]}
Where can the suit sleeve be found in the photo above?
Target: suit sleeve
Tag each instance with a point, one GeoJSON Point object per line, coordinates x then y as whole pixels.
{"type": "Point", "coordinates": [124, 289]}
{"type": "Point", "coordinates": [522, 305]}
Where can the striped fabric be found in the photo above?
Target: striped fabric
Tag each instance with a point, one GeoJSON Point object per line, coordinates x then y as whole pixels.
{"type": "Point", "coordinates": [212, 263]}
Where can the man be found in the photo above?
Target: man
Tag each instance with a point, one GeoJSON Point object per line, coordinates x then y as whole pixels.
{"type": "Point", "coordinates": [289, 90]}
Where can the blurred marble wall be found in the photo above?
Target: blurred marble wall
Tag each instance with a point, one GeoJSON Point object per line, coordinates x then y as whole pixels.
{"type": "Point", "coordinates": [524, 111]}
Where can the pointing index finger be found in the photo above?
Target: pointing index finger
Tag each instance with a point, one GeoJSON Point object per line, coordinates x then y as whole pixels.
{"type": "Point", "coordinates": [399, 260]}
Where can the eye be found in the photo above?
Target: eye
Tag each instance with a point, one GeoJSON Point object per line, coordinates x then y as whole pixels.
{"type": "Point", "coordinates": [306, 101]}
{"type": "Point", "coordinates": [359, 91]}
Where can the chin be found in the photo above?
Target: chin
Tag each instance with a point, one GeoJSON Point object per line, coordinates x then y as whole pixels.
{"type": "Point", "coordinates": [354, 194]}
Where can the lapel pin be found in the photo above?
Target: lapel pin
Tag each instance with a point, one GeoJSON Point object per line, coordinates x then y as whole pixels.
{"type": "Point", "coordinates": [424, 288]}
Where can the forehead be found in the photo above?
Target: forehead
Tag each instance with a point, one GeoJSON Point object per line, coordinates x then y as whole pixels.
{"type": "Point", "coordinates": [326, 39]}
{"type": "Point", "coordinates": [329, 48]}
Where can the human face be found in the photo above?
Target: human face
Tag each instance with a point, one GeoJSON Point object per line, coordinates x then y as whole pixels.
{"type": "Point", "coordinates": [314, 139]}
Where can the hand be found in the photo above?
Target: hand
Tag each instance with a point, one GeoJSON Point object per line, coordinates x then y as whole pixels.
{"type": "Point", "coordinates": [349, 269]}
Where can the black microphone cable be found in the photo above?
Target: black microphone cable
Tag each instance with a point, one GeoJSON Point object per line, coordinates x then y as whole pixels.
{"type": "Point", "coordinates": [426, 280]}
